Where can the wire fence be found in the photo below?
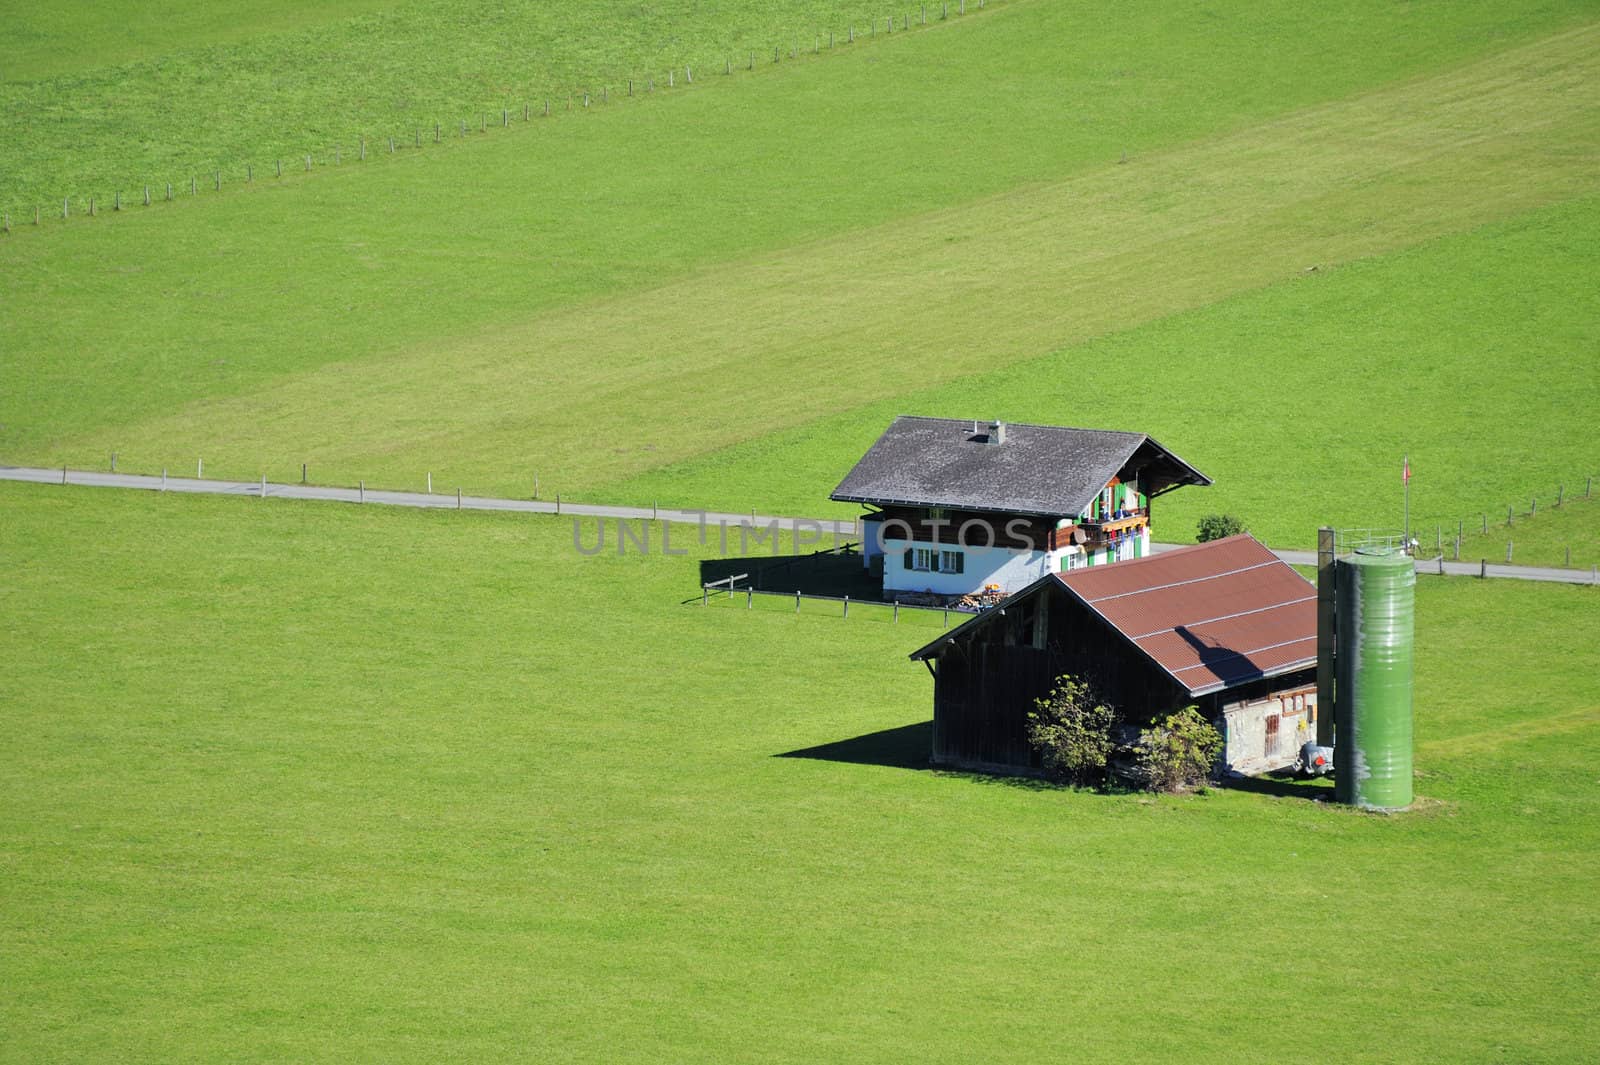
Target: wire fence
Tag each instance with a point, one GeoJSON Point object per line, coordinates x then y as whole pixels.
{"type": "Point", "coordinates": [1474, 534]}
{"type": "Point", "coordinates": [725, 590]}
{"type": "Point", "coordinates": [480, 122]}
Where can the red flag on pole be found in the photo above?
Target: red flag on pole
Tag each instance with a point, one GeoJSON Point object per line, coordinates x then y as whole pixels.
{"type": "Point", "coordinates": [1405, 473]}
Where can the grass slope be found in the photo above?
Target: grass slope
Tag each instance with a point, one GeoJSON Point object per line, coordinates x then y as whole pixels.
{"type": "Point", "coordinates": [1299, 400]}
{"type": "Point", "coordinates": [118, 97]}
{"type": "Point", "coordinates": [661, 374]}
{"type": "Point", "coordinates": [319, 783]}
{"type": "Point", "coordinates": [1552, 536]}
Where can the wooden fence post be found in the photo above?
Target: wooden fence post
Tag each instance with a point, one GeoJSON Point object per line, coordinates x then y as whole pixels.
{"type": "Point", "coordinates": [302, 473]}
{"type": "Point", "coordinates": [1483, 569]}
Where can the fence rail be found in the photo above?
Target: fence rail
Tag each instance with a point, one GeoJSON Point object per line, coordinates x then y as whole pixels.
{"type": "Point", "coordinates": [894, 608]}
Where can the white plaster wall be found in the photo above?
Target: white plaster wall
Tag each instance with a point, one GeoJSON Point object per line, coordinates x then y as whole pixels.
{"type": "Point", "coordinates": [1011, 570]}
{"type": "Point", "coordinates": [1245, 731]}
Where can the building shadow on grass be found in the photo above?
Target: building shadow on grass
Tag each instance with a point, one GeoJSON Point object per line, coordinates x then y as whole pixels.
{"type": "Point", "coordinates": [1284, 786]}
{"type": "Point", "coordinates": [834, 573]}
{"type": "Point", "coordinates": [906, 747]}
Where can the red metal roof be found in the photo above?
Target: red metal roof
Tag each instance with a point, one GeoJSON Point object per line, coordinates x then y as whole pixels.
{"type": "Point", "coordinates": [1213, 615]}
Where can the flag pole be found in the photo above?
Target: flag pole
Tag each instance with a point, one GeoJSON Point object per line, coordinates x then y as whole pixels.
{"type": "Point", "coordinates": [1405, 476]}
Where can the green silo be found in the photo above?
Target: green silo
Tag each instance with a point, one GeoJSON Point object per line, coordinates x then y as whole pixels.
{"type": "Point", "coordinates": [1375, 600]}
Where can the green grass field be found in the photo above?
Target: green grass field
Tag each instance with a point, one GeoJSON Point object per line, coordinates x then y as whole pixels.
{"type": "Point", "coordinates": [1568, 535]}
{"type": "Point", "coordinates": [1317, 385]}
{"type": "Point", "coordinates": [115, 96]}
{"type": "Point", "coordinates": [318, 782]}
{"type": "Point", "coordinates": [324, 782]}
{"type": "Point", "coordinates": [388, 322]}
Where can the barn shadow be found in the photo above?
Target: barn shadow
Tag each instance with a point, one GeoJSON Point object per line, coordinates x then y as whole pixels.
{"type": "Point", "coordinates": [906, 747]}
{"type": "Point", "coordinates": [1284, 786]}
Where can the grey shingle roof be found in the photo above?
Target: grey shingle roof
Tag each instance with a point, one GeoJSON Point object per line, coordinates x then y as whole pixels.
{"type": "Point", "coordinates": [1038, 469]}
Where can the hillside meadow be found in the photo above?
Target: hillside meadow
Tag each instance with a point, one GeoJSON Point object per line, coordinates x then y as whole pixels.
{"type": "Point", "coordinates": [115, 96]}
{"type": "Point", "coordinates": [95, 98]}
{"type": "Point", "coordinates": [322, 782]}
{"type": "Point", "coordinates": [1469, 353]}
{"type": "Point", "coordinates": [387, 322]}
{"type": "Point", "coordinates": [1564, 534]}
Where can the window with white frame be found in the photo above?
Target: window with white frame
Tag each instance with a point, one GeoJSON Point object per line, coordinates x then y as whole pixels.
{"type": "Point", "coordinates": [934, 560]}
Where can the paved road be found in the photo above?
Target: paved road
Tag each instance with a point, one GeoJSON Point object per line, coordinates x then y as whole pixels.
{"type": "Point", "coordinates": [713, 520]}
{"type": "Point", "coordinates": [266, 489]}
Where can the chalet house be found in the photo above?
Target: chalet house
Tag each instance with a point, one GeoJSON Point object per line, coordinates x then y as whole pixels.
{"type": "Point", "coordinates": [1225, 625]}
{"type": "Point", "coordinates": [959, 507]}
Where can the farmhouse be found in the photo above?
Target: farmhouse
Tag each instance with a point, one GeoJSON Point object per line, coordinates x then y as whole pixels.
{"type": "Point", "coordinates": [959, 507]}
{"type": "Point", "coordinates": [1224, 625]}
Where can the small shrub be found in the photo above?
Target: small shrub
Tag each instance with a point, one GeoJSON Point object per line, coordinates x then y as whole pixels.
{"type": "Point", "coordinates": [1217, 526]}
{"type": "Point", "coordinates": [1071, 728]}
{"type": "Point", "coordinates": [1179, 752]}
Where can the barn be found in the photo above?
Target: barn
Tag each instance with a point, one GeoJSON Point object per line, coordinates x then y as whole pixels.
{"type": "Point", "coordinates": [1224, 625]}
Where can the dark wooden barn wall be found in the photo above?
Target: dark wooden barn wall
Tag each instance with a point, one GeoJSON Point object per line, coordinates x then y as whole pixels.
{"type": "Point", "coordinates": [987, 682]}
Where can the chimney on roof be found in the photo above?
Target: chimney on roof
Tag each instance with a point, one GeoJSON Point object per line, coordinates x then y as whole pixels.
{"type": "Point", "coordinates": [997, 432]}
